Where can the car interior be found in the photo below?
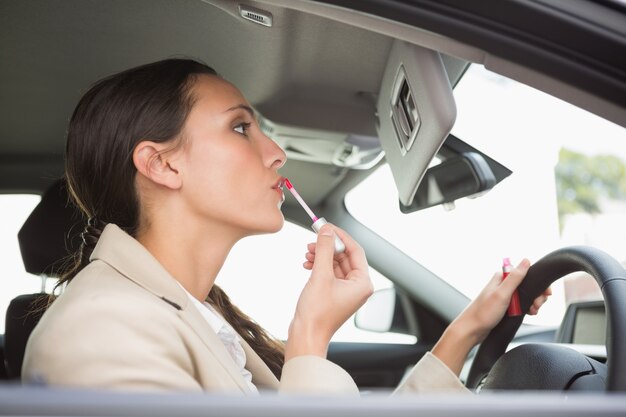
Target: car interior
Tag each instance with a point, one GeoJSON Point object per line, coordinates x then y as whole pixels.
{"type": "Point", "coordinates": [344, 91]}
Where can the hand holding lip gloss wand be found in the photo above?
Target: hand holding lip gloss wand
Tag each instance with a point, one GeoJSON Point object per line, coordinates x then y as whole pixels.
{"type": "Point", "coordinates": [514, 307]}
{"type": "Point", "coordinates": [318, 222]}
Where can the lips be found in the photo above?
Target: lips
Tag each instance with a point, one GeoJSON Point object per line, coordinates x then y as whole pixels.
{"type": "Point", "coordinates": [279, 187]}
{"type": "Point", "coordinates": [279, 184]}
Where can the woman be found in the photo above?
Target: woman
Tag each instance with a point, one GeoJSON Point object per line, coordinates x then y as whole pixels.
{"type": "Point", "coordinates": [161, 159]}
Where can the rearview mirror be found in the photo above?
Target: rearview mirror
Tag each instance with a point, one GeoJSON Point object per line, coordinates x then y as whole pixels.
{"type": "Point", "coordinates": [461, 176]}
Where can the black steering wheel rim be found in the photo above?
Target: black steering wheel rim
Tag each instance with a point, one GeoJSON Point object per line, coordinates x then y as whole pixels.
{"type": "Point", "coordinates": [611, 278]}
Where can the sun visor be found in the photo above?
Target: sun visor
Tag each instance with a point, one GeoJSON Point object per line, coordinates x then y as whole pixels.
{"type": "Point", "coordinates": [416, 112]}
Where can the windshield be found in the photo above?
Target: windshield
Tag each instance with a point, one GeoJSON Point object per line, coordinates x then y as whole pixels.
{"type": "Point", "coordinates": [568, 187]}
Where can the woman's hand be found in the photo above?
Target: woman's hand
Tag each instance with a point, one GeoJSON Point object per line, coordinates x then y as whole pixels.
{"type": "Point", "coordinates": [482, 315]}
{"type": "Point", "coordinates": [338, 286]}
{"type": "Point", "coordinates": [489, 307]}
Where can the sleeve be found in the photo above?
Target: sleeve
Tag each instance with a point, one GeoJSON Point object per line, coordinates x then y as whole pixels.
{"type": "Point", "coordinates": [315, 375]}
{"type": "Point", "coordinates": [430, 375]}
{"type": "Point", "coordinates": [101, 342]}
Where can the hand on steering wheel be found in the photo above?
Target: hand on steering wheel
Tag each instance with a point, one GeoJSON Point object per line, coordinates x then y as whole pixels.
{"type": "Point", "coordinates": [611, 278]}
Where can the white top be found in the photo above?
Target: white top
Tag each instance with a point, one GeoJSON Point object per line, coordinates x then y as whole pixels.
{"type": "Point", "coordinates": [227, 335]}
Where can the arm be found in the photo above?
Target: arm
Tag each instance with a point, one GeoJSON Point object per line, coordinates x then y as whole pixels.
{"type": "Point", "coordinates": [443, 365]}
{"type": "Point", "coordinates": [338, 286]}
{"type": "Point", "coordinates": [475, 322]}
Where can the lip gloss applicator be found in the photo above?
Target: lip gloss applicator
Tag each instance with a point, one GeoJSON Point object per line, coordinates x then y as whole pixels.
{"type": "Point", "coordinates": [318, 222]}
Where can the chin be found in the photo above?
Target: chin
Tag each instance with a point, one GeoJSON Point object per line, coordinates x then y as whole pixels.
{"type": "Point", "coordinates": [278, 225]}
{"type": "Point", "coordinates": [271, 224]}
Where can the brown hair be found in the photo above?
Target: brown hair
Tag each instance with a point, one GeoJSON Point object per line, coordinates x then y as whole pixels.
{"type": "Point", "coordinates": [150, 101]}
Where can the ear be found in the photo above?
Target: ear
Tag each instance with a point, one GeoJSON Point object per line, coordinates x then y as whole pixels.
{"type": "Point", "coordinates": [154, 163]}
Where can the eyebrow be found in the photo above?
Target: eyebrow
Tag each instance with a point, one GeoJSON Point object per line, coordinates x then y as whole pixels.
{"type": "Point", "coordinates": [242, 106]}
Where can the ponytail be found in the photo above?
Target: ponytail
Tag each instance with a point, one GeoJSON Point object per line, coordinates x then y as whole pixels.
{"type": "Point", "coordinates": [79, 260]}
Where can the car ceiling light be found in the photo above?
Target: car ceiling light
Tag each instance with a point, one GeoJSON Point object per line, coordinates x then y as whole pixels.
{"type": "Point", "coordinates": [258, 16]}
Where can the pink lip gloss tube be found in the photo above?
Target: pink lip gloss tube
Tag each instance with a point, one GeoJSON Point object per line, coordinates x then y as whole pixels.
{"type": "Point", "coordinates": [515, 308]}
{"type": "Point", "coordinates": [318, 222]}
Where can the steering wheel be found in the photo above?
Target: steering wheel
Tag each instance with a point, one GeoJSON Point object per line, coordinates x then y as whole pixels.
{"type": "Point", "coordinates": [555, 367]}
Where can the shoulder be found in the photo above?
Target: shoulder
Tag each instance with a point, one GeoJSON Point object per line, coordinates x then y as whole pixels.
{"type": "Point", "coordinates": [101, 287]}
{"type": "Point", "coordinates": [100, 304]}
{"type": "Point", "coordinates": [100, 297]}
{"type": "Point", "coordinates": [104, 326]}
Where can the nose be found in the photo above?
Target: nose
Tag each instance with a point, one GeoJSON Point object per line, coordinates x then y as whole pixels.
{"type": "Point", "coordinates": [275, 156]}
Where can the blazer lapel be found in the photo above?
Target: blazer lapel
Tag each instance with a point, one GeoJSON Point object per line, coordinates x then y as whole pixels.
{"type": "Point", "coordinates": [123, 253]}
{"type": "Point", "coordinates": [262, 376]}
{"type": "Point", "coordinates": [194, 319]}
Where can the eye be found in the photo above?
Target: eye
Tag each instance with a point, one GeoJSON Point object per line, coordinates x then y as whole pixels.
{"type": "Point", "coordinates": [242, 128]}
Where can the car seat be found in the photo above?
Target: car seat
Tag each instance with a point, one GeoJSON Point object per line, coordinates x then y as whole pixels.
{"type": "Point", "coordinates": [47, 239]}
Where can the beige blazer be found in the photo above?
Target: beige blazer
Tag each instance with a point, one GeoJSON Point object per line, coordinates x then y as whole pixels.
{"type": "Point", "coordinates": [125, 323]}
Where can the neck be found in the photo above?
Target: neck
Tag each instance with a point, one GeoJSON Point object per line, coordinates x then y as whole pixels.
{"type": "Point", "coordinates": [192, 255]}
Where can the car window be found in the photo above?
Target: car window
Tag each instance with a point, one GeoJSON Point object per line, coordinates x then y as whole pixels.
{"type": "Point", "coordinates": [568, 187]}
{"type": "Point", "coordinates": [14, 209]}
{"type": "Point", "coordinates": [263, 275]}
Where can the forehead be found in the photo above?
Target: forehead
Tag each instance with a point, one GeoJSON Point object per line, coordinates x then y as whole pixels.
{"type": "Point", "coordinates": [214, 93]}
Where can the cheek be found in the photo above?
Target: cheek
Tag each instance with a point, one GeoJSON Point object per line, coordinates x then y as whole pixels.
{"type": "Point", "coordinates": [223, 175]}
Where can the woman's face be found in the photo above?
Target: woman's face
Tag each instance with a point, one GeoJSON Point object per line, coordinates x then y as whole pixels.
{"type": "Point", "coordinates": [230, 168]}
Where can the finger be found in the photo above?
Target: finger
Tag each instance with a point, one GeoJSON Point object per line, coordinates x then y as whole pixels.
{"type": "Point", "coordinates": [308, 265]}
{"type": "Point", "coordinates": [337, 267]}
{"type": "Point", "coordinates": [352, 258]}
{"type": "Point", "coordinates": [311, 258]}
{"type": "Point", "coordinates": [352, 247]}
{"type": "Point", "coordinates": [324, 253]}
{"type": "Point", "coordinates": [539, 301]}
{"type": "Point", "coordinates": [354, 251]}
{"type": "Point", "coordinates": [344, 264]}
{"type": "Point", "coordinates": [338, 271]}
{"type": "Point", "coordinates": [516, 276]}
{"type": "Point", "coordinates": [536, 305]}
{"type": "Point", "coordinates": [495, 280]}
{"type": "Point", "coordinates": [548, 292]}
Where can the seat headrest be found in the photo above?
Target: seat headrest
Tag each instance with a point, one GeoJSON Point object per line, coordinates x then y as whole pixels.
{"type": "Point", "coordinates": [51, 232]}
{"type": "Point", "coordinates": [23, 314]}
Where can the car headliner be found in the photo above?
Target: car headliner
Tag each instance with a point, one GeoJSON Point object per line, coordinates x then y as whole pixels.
{"type": "Point", "coordinates": [51, 52]}
{"type": "Point", "coordinates": [319, 67]}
